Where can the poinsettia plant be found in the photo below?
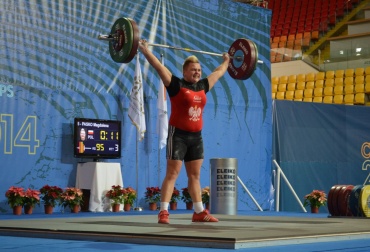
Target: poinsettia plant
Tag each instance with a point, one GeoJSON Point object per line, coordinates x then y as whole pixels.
{"type": "Point", "coordinates": [153, 194]}
{"type": "Point", "coordinates": [205, 194]}
{"type": "Point", "coordinates": [186, 195]}
{"type": "Point", "coordinates": [316, 198]}
{"type": "Point", "coordinates": [31, 197]}
{"type": "Point", "coordinates": [175, 195]}
{"type": "Point", "coordinates": [71, 197]}
{"type": "Point", "coordinates": [116, 194]}
{"type": "Point", "coordinates": [129, 195]}
{"type": "Point", "coordinates": [51, 195]}
{"type": "Point", "coordinates": [15, 196]}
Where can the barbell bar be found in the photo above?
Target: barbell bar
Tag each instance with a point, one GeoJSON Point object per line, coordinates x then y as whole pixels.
{"type": "Point", "coordinates": [124, 42]}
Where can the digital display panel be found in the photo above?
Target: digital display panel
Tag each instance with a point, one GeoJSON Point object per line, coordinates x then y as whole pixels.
{"type": "Point", "coordinates": [97, 138]}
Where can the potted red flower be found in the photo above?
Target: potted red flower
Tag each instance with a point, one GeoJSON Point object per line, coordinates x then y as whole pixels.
{"type": "Point", "coordinates": [15, 196]}
{"type": "Point", "coordinates": [174, 198]}
{"type": "Point", "coordinates": [72, 198]}
{"type": "Point", "coordinates": [50, 196]}
{"type": "Point", "coordinates": [187, 198]}
{"type": "Point", "coordinates": [116, 195]}
{"type": "Point", "coordinates": [129, 195]}
{"type": "Point", "coordinates": [153, 195]}
{"type": "Point", "coordinates": [31, 198]}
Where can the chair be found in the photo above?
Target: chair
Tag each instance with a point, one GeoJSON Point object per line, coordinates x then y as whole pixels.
{"type": "Point", "coordinates": [318, 92]}
{"type": "Point", "coordinates": [298, 95]}
{"type": "Point", "coordinates": [328, 99]}
{"type": "Point", "coordinates": [301, 77]}
{"type": "Point", "coordinates": [367, 70]}
{"type": "Point", "coordinates": [273, 95]}
{"type": "Point", "coordinates": [349, 72]}
{"type": "Point", "coordinates": [320, 76]}
{"type": "Point", "coordinates": [367, 79]}
{"type": "Point", "coordinates": [359, 71]}
{"type": "Point", "coordinates": [359, 79]}
{"type": "Point", "coordinates": [338, 99]}
{"type": "Point", "coordinates": [319, 83]}
{"type": "Point", "coordinates": [339, 73]}
{"type": "Point", "coordinates": [301, 85]}
{"type": "Point", "coordinates": [360, 99]}
{"type": "Point", "coordinates": [329, 83]}
{"type": "Point", "coordinates": [276, 39]}
{"type": "Point", "coordinates": [308, 93]}
{"type": "Point", "coordinates": [329, 74]}
{"type": "Point", "coordinates": [274, 88]}
{"type": "Point", "coordinates": [275, 80]}
{"type": "Point", "coordinates": [348, 81]}
{"type": "Point", "coordinates": [338, 81]}
{"type": "Point", "coordinates": [349, 89]}
{"type": "Point", "coordinates": [328, 91]}
{"type": "Point", "coordinates": [282, 87]}
{"type": "Point", "coordinates": [367, 88]}
{"type": "Point", "coordinates": [338, 90]}
{"type": "Point", "coordinates": [289, 95]}
{"type": "Point", "coordinates": [317, 99]}
{"type": "Point", "coordinates": [283, 79]}
{"type": "Point", "coordinates": [280, 95]}
{"type": "Point", "coordinates": [291, 86]}
{"type": "Point", "coordinates": [360, 88]}
{"type": "Point", "coordinates": [310, 84]}
{"type": "Point", "coordinates": [349, 99]}
{"type": "Point", "coordinates": [292, 78]}
{"type": "Point", "coordinates": [310, 77]}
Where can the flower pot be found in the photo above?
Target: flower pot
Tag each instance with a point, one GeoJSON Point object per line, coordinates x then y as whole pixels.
{"type": "Point", "coordinates": [127, 207]}
{"type": "Point", "coordinates": [189, 205]}
{"type": "Point", "coordinates": [17, 210]}
{"type": "Point", "coordinates": [48, 209]}
{"type": "Point", "coordinates": [153, 206]}
{"type": "Point", "coordinates": [173, 205]}
{"type": "Point", "coordinates": [314, 209]}
{"type": "Point", "coordinates": [115, 207]}
{"type": "Point", "coordinates": [28, 209]}
{"type": "Point", "coordinates": [75, 209]}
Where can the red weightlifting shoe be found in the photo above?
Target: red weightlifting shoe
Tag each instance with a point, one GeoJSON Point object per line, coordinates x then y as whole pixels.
{"type": "Point", "coordinates": [204, 217]}
{"type": "Point", "coordinates": [163, 217]}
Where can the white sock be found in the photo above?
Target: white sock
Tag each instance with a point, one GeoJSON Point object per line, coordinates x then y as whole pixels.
{"type": "Point", "coordinates": [198, 207]}
{"type": "Point", "coordinates": [164, 206]}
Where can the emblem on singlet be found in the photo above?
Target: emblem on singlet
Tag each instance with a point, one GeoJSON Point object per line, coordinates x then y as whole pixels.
{"type": "Point", "coordinates": [194, 113]}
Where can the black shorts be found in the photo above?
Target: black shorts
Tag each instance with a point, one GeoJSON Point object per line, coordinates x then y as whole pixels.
{"type": "Point", "coordinates": [184, 145]}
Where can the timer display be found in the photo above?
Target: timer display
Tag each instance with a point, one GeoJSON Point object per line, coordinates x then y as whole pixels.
{"type": "Point", "coordinates": [97, 138]}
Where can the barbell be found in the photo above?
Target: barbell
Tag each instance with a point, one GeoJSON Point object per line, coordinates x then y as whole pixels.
{"type": "Point", "coordinates": [124, 42]}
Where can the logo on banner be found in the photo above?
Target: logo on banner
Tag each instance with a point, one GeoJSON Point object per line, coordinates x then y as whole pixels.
{"type": "Point", "coordinates": [6, 90]}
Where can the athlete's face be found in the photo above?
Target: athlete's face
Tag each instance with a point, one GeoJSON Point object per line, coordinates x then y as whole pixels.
{"type": "Point", "coordinates": [192, 73]}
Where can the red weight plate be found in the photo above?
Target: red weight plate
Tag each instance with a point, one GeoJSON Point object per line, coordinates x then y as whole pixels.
{"type": "Point", "coordinates": [335, 200]}
{"type": "Point", "coordinates": [330, 200]}
{"type": "Point", "coordinates": [247, 51]}
{"type": "Point", "coordinates": [343, 195]}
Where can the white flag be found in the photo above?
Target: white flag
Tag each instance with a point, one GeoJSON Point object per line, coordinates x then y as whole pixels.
{"type": "Point", "coordinates": [136, 108]}
{"type": "Point", "coordinates": [162, 119]}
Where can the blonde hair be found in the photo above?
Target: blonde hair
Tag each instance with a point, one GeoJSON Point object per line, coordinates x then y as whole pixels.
{"type": "Point", "coordinates": [188, 60]}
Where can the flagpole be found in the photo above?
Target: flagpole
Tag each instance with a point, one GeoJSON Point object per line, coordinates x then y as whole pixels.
{"type": "Point", "coordinates": [159, 149]}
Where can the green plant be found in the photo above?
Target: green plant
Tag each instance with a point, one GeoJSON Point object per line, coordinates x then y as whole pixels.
{"type": "Point", "coordinates": [205, 194]}
{"type": "Point", "coordinates": [186, 195]}
{"type": "Point", "coordinates": [15, 196]}
{"type": "Point", "coordinates": [116, 194]}
{"type": "Point", "coordinates": [175, 195]}
{"type": "Point", "coordinates": [71, 197]}
{"type": "Point", "coordinates": [153, 194]}
{"type": "Point", "coordinates": [129, 195]}
{"type": "Point", "coordinates": [51, 195]}
{"type": "Point", "coordinates": [315, 199]}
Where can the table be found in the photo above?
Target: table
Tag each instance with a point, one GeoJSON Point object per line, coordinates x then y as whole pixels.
{"type": "Point", "coordinates": [99, 177]}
